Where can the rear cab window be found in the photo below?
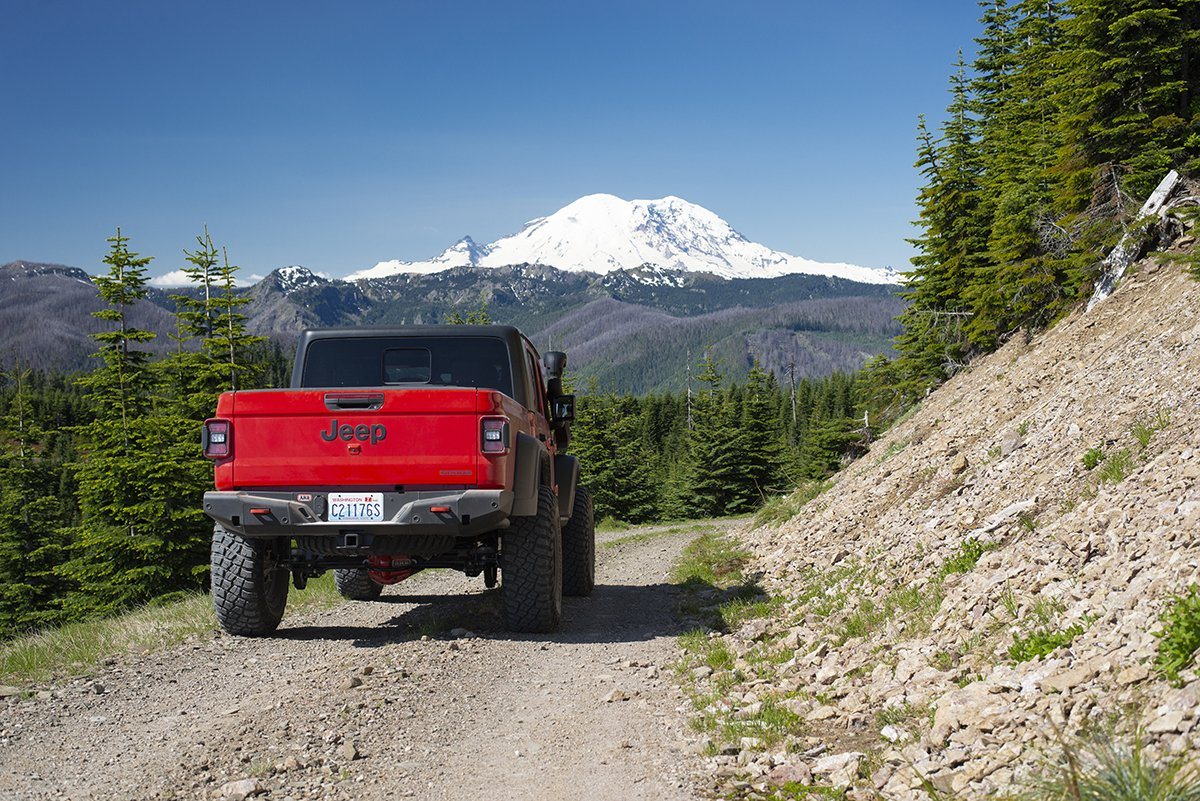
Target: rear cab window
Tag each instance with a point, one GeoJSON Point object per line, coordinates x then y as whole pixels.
{"type": "Point", "coordinates": [537, 398]}
{"type": "Point", "coordinates": [479, 362]}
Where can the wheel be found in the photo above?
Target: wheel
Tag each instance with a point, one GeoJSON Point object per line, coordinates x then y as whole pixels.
{"type": "Point", "coordinates": [249, 588]}
{"type": "Point", "coordinates": [531, 569]}
{"type": "Point", "coordinates": [579, 546]}
{"type": "Point", "coordinates": [355, 584]}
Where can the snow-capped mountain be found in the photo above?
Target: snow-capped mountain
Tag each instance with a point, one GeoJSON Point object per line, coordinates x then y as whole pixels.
{"type": "Point", "coordinates": [295, 277]}
{"type": "Point", "coordinates": [602, 233]}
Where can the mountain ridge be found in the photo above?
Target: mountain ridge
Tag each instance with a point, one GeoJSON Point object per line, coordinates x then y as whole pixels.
{"type": "Point", "coordinates": [628, 330]}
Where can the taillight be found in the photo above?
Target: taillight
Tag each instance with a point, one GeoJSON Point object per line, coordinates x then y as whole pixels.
{"type": "Point", "coordinates": [494, 435]}
{"type": "Point", "coordinates": [217, 439]}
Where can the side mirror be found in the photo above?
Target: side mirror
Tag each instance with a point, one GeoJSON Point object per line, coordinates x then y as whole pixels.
{"type": "Point", "coordinates": [563, 408]}
{"type": "Point", "coordinates": [555, 363]}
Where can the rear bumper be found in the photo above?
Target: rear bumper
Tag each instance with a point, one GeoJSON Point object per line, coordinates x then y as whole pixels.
{"type": "Point", "coordinates": [471, 512]}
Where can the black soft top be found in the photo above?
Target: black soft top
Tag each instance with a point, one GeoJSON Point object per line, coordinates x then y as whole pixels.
{"type": "Point", "coordinates": [513, 338]}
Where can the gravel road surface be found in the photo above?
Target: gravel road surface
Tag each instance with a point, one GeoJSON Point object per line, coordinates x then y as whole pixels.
{"type": "Point", "coordinates": [381, 700]}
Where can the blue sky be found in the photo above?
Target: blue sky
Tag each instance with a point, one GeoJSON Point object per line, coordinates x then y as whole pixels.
{"type": "Point", "coordinates": [336, 135]}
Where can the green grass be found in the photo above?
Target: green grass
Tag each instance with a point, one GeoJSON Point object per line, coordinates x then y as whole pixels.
{"type": "Point", "coordinates": [783, 508]}
{"type": "Point", "coordinates": [1180, 636]}
{"type": "Point", "coordinates": [1145, 428]}
{"type": "Point", "coordinates": [893, 449]}
{"type": "Point", "coordinates": [710, 559]}
{"type": "Point", "coordinates": [78, 648]}
{"type": "Point", "coordinates": [613, 524]}
{"type": "Point", "coordinates": [1115, 468]}
{"type": "Point", "coordinates": [654, 534]}
{"type": "Point", "coordinates": [1110, 770]}
{"type": "Point", "coordinates": [964, 560]}
{"type": "Point", "coordinates": [917, 605]}
{"type": "Point", "coordinates": [1041, 641]}
{"type": "Point", "coordinates": [1093, 458]}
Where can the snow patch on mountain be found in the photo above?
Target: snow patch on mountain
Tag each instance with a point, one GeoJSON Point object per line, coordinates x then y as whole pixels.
{"type": "Point", "coordinates": [603, 233]}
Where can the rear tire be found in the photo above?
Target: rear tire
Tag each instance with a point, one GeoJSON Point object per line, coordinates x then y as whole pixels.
{"type": "Point", "coordinates": [355, 584]}
{"type": "Point", "coordinates": [579, 546]}
{"type": "Point", "coordinates": [531, 569]}
{"type": "Point", "coordinates": [249, 589]}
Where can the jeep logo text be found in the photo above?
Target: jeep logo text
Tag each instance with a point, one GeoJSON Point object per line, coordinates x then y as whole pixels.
{"type": "Point", "coordinates": [361, 432]}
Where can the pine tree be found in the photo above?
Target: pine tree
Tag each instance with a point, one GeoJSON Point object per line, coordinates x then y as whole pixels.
{"type": "Point", "coordinates": [1135, 89]}
{"type": "Point", "coordinates": [759, 437]}
{"type": "Point", "coordinates": [116, 561]}
{"type": "Point", "coordinates": [712, 446]}
{"type": "Point", "coordinates": [32, 515]}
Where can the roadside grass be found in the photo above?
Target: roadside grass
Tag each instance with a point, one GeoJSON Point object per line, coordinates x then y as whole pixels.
{"type": "Point", "coordinates": [654, 534]}
{"type": "Point", "coordinates": [1109, 768]}
{"type": "Point", "coordinates": [782, 508]}
{"type": "Point", "coordinates": [76, 649]}
{"type": "Point", "coordinates": [610, 523]}
{"type": "Point", "coordinates": [715, 588]}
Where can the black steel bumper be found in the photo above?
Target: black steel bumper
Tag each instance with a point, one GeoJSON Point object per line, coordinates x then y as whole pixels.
{"type": "Point", "coordinates": [406, 514]}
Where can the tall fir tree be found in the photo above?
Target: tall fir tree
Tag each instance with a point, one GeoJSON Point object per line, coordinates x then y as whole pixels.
{"type": "Point", "coordinates": [32, 516]}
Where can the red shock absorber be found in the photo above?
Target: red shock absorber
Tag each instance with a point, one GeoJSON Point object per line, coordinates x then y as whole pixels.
{"type": "Point", "coordinates": [390, 569]}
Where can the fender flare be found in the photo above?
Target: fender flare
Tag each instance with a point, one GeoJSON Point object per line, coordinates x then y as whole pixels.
{"type": "Point", "coordinates": [527, 475]}
{"type": "Point", "coordinates": [566, 474]}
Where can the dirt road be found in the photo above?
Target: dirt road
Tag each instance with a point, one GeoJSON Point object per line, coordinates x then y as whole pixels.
{"type": "Point", "coordinates": [379, 700]}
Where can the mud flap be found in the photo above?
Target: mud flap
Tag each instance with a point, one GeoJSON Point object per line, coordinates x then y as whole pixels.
{"type": "Point", "coordinates": [566, 474]}
{"type": "Point", "coordinates": [526, 478]}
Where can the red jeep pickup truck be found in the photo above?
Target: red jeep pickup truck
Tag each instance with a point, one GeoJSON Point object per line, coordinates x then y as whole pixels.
{"type": "Point", "coordinates": [394, 450]}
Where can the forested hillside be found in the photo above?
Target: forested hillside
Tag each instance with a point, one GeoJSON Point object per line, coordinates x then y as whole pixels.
{"type": "Point", "coordinates": [1069, 115]}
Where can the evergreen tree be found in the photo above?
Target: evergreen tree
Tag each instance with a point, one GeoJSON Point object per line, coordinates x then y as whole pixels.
{"type": "Point", "coordinates": [127, 547]}
{"type": "Point", "coordinates": [712, 447]}
{"type": "Point", "coordinates": [759, 437]}
{"type": "Point", "coordinates": [32, 542]}
{"type": "Point", "coordinates": [1133, 90]}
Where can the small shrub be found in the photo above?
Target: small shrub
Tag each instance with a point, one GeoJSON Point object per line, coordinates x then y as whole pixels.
{"type": "Point", "coordinates": [1093, 458]}
{"type": "Point", "coordinates": [1180, 636]}
{"type": "Point", "coordinates": [1041, 642]}
{"type": "Point", "coordinates": [1115, 468]}
{"type": "Point", "coordinates": [1023, 429]}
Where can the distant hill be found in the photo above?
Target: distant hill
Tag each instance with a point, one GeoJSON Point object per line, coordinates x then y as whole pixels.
{"type": "Point", "coordinates": [46, 317]}
{"type": "Point", "coordinates": [629, 330]}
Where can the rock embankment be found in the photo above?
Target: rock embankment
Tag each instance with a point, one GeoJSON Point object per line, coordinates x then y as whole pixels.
{"type": "Point", "coordinates": [990, 577]}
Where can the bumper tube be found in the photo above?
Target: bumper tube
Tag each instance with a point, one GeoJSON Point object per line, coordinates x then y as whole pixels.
{"type": "Point", "coordinates": [470, 512]}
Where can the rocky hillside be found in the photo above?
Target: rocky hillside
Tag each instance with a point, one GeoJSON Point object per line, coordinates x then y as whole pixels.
{"type": "Point", "coordinates": [990, 577]}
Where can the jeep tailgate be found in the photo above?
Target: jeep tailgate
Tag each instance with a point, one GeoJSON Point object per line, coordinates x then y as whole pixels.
{"type": "Point", "coordinates": [352, 438]}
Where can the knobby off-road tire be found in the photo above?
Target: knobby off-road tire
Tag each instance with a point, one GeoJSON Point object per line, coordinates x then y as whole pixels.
{"type": "Point", "coordinates": [531, 572]}
{"type": "Point", "coordinates": [249, 591]}
{"type": "Point", "coordinates": [356, 584]}
{"type": "Point", "coordinates": [579, 546]}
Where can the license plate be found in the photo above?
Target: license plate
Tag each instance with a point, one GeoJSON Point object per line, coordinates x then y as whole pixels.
{"type": "Point", "coordinates": [357, 507]}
